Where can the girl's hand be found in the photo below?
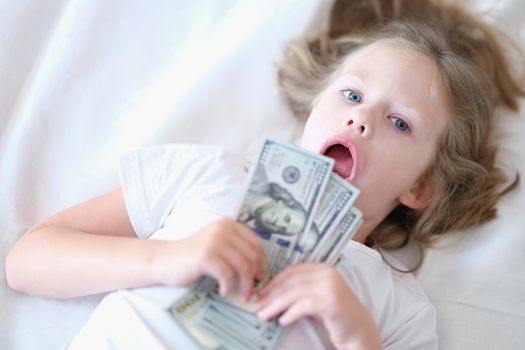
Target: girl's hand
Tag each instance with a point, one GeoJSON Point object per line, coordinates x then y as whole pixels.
{"type": "Point", "coordinates": [319, 291]}
{"type": "Point", "coordinates": [226, 250]}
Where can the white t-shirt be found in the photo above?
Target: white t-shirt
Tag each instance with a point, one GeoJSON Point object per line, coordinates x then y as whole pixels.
{"type": "Point", "coordinates": [174, 190]}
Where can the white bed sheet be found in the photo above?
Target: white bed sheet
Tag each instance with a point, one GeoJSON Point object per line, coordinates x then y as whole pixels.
{"type": "Point", "coordinates": [85, 80]}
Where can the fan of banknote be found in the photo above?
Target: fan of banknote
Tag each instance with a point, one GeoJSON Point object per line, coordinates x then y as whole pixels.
{"type": "Point", "coordinates": [303, 212]}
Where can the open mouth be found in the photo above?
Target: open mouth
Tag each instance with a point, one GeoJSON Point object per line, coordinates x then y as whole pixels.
{"type": "Point", "coordinates": [344, 153]}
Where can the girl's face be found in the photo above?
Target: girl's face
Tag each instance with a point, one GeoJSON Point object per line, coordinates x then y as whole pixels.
{"type": "Point", "coordinates": [381, 119]}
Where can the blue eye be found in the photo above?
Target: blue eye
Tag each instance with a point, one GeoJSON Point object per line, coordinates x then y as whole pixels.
{"type": "Point", "coordinates": [401, 124]}
{"type": "Point", "coordinates": [351, 95]}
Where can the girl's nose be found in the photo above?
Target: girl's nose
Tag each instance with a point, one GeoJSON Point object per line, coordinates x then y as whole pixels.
{"type": "Point", "coordinates": [360, 123]}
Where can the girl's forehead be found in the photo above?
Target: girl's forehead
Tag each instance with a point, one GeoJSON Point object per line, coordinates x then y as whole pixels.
{"type": "Point", "coordinates": [394, 59]}
{"type": "Point", "coordinates": [384, 48]}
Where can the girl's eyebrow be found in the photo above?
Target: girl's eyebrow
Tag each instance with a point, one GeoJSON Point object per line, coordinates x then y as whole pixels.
{"type": "Point", "coordinates": [352, 75]}
{"type": "Point", "coordinates": [412, 111]}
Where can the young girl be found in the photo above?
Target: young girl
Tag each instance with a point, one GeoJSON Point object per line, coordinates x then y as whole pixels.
{"type": "Point", "coordinates": [405, 108]}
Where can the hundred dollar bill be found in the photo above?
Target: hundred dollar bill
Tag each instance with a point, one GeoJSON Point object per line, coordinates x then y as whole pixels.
{"type": "Point", "coordinates": [237, 328]}
{"type": "Point", "coordinates": [185, 311]}
{"type": "Point", "coordinates": [330, 246]}
{"type": "Point", "coordinates": [337, 199]}
{"type": "Point", "coordinates": [335, 256]}
{"type": "Point", "coordinates": [284, 192]}
{"type": "Point", "coordinates": [215, 322]}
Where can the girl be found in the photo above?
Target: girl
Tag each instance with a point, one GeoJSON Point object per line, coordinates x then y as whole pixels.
{"type": "Point", "coordinates": [400, 94]}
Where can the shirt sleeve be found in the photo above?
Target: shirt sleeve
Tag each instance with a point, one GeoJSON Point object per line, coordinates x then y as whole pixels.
{"type": "Point", "coordinates": [154, 178]}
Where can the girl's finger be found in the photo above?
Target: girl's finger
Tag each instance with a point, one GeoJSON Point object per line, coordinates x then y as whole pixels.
{"type": "Point", "coordinates": [277, 305]}
{"type": "Point", "coordinates": [250, 236]}
{"type": "Point", "coordinates": [243, 268]}
{"type": "Point", "coordinates": [254, 256]}
{"type": "Point", "coordinates": [255, 243]}
{"type": "Point", "coordinates": [282, 277]}
{"type": "Point", "coordinates": [286, 280]}
{"type": "Point", "coordinates": [222, 272]}
{"type": "Point", "coordinates": [279, 294]}
{"type": "Point", "coordinates": [303, 307]}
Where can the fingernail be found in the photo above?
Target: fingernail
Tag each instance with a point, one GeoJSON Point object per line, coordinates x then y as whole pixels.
{"type": "Point", "coordinates": [261, 314]}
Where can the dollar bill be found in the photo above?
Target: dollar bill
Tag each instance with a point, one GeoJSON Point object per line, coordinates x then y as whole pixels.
{"type": "Point", "coordinates": [234, 326]}
{"type": "Point", "coordinates": [337, 199]}
{"type": "Point", "coordinates": [284, 192]}
{"type": "Point", "coordinates": [185, 311]}
{"type": "Point", "coordinates": [330, 246]}
{"type": "Point", "coordinates": [214, 322]}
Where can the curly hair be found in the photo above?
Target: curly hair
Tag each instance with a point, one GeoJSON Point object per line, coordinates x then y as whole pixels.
{"type": "Point", "coordinates": [475, 77]}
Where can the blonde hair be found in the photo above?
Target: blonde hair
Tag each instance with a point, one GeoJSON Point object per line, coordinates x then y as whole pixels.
{"type": "Point", "coordinates": [475, 79]}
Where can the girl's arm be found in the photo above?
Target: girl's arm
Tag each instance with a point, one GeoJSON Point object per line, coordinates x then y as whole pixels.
{"type": "Point", "coordinates": [85, 249]}
{"type": "Point", "coordinates": [92, 248]}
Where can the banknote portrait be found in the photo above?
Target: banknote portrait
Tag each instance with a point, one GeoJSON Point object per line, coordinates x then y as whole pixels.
{"type": "Point", "coordinates": [270, 207]}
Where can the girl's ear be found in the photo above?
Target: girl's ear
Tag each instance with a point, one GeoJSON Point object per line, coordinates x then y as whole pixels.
{"type": "Point", "coordinates": [418, 196]}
